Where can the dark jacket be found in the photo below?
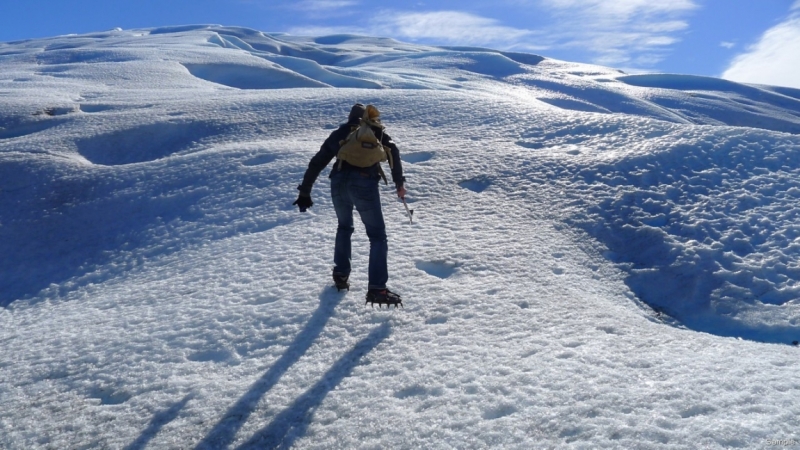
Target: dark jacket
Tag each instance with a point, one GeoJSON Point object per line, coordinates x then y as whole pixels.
{"type": "Point", "coordinates": [330, 148]}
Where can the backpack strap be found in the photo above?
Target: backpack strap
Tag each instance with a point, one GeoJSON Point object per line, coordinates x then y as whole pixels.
{"type": "Point", "coordinates": [353, 128]}
{"type": "Point", "coordinates": [388, 158]}
{"type": "Point", "coordinates": [388, 155]}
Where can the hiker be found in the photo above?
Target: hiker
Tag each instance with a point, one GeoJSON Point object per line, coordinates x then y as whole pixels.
{"type": "Point", "coordinates": [355, 186]}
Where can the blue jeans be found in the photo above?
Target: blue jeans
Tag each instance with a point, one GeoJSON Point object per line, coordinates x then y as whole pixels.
{"type": "Point", "coordinates": [352, 188]}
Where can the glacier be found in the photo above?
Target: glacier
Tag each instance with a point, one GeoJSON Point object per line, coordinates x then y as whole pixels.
{"type": "Point", "coordinates": [597, 259]}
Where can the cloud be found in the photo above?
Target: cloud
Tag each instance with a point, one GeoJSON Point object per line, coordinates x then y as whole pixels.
{"type": "Point", "coordinates": [774, 59]}
{"type": "Point", "coordinates": [324, 5]}
{"type": "Point", "coordinates": [454, 27]}
{"type": "Point", "coordinates": [324, 9]}
{"type": "Point", "coordinates": [619, 32]}
{"type": "Point", "coordinates": [727, 44]}
{"type": "Point", "coordinates": [620, 10]}
{"type": "Point", "coordinates": [437, 27]}
{"type": "Point", "coordinates": [622, 33]}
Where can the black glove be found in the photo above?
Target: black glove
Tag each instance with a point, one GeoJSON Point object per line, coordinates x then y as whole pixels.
{"type": "Point", "coordinates": [303, 202]}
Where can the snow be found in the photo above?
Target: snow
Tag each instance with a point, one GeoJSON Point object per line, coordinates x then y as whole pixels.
{"type": "Point", "coordinates": [597, 260]}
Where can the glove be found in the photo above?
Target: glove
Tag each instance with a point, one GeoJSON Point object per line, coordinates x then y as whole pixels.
{"type": "Point", "coordinates": [303, 202]}
{"type": "Point", "coordinates": [401, 191]}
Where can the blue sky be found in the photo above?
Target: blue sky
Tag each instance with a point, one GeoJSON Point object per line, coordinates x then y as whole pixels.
{"type": "Point", "coordinates": [744, 40]}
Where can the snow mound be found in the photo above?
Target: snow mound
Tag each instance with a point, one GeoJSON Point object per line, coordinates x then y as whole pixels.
{"type": "Point", "coordinates": [707, 231]}
{"type": "Point", "coordinates": [716, 101]}
{"type": "Point", "coordinates": [252, 77]}
{"type": "Point", "coordinates": [243, 58]}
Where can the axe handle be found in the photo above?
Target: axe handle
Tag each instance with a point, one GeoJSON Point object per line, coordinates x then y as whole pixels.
{"type": "Point", "coordinates": [409, 211]}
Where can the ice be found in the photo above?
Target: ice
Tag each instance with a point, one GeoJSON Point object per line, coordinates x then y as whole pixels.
{"type": "Point", "coordinates": [597, 260]}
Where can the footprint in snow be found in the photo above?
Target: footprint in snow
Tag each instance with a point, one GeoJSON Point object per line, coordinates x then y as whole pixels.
{"type": "Point", "coordinates": [418, 157]}
{"type": "Point", "coordinates": [439, 269]}
{"type": "Point", "coordinates": [477, 184]}
{"type": "Point", "coordinates": [260, 160]}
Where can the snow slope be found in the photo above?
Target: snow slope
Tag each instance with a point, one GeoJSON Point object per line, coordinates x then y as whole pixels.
{"type": "Point", "coordinates": [598, 260]}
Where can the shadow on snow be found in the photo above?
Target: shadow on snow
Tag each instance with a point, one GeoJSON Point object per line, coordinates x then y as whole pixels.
{"type": "Point", "coordinates": [159, 420]}
{"type": "Point", "coordinates": [291, 423]}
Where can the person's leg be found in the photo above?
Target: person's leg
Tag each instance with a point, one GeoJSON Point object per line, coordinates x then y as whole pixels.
{"type": "Point", "coordinates": [343, 205]}
{"type": "Point", "coordinates": [366, 198]}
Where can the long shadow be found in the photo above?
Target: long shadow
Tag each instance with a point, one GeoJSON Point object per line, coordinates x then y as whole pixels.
{"type": "Point", "coordinates": [292, 423]}
{"type": "Point", "coordinates": [225, 430]}
{"type": "Point", "coordinates": [159, 420]}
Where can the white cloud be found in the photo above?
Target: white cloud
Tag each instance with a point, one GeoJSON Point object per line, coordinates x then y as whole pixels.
{"type": "Point", "coordinates": [454, 27]}
{"type": "Point", "coordinates": [621, 10]}
{"type": "Point", "coordinates": [727, 44]}
{"type": "Point", "coordinates": [324, 5]}
{"type": "Point", "coordinates": [439, 27]}
{"type": "Point", "coordinates": [619, 33]}
{"type": "Point", "coordinates": [631, 32]}
{"type": "Point", "coordinates": [325, 9]}
{"type": "Point", "coordinates": [774, 59]}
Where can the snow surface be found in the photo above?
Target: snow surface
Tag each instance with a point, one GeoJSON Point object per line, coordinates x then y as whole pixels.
{"type": "Point", "coordinates": [597, 260]}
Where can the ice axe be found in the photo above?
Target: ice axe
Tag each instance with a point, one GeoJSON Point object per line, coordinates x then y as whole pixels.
{"type": "Point", "coordinates": [409, 211]}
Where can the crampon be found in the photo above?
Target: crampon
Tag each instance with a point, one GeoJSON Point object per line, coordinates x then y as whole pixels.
{"type": "Point", "coordinates": [341, 281]}
{"type": "Point", "coordinates": [383, 297]}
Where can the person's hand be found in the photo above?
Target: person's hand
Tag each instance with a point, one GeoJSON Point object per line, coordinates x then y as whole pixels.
{"type": "Point", "coordinates": [303, 202]}
{"type": "Point", "coordinates": [401, 191]}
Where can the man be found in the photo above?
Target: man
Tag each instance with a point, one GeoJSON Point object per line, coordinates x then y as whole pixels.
{"type": "Point", "coordinates": [357, 187]}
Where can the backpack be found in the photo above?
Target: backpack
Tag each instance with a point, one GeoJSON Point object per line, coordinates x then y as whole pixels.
{"type": "Point", "coordinates": [361, 148]}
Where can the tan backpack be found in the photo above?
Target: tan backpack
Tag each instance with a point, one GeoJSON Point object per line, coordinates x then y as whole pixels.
{"type": "Point", "coordinates": [362, 148]}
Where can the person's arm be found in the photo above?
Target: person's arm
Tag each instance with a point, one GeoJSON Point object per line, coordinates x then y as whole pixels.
{"type": "Point", "coordinates": [397, 164]}
{"type": "Point", "coordinates": [318, 162]}
{"type": "Point", "coordinates": [326, 153]}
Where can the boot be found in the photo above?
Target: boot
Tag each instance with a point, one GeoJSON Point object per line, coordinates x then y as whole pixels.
{"type": "Point", "coordinates": [383, 297]}
{"type": "Point", "coordinates": [341, 281]}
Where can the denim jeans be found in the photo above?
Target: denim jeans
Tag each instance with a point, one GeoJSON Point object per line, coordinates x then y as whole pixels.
{"type": "Point", "coordinates": [352, 188]}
